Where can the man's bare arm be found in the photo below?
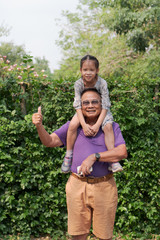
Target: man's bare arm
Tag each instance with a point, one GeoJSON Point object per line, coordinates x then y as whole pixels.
{"type": "Point", "coordinates": [49, 140]}
{"type": "Point", "coordinates": [114, 155]}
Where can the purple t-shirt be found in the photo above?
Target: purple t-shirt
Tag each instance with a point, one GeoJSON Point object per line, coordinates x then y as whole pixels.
{"type": "Point", "coordinates": [85, 146]}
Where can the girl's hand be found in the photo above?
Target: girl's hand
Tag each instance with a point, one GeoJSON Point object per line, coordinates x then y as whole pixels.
{"type": "Point", "coordinates": [95, 129]}
{"type": "Point", "coordinates": [87, 130]}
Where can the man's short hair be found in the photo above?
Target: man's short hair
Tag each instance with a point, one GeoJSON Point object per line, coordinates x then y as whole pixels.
{"type": "Point", "coordinates": [90, 90]}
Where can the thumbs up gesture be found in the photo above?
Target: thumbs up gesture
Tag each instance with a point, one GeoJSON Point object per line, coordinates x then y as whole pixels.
{"type": "Point", "coordinates": [37, 118]}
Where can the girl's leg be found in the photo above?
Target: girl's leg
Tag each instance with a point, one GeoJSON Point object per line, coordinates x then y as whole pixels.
{"type": "Point", "coordinates": [109, 136]}
{"type": "Point", "coordinates": [72, 132]}
{"type": "Point", "coordinates": [109, 141]}
{"type": "Point", "coordinates": [71, 138]}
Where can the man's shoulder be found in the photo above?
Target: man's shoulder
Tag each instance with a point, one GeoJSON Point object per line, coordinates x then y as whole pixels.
{"type": "Point", "coordinates": [62, 132]}
{"type": "Point", "coordinates": [118, 134]}
{"type": "Point", "coordinates": [115, 125]}
{"type": "Point", "coordinates": [63, 128]}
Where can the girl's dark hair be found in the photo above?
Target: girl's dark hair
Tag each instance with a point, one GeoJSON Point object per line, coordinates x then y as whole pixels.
{"type": "Point", "coordinates": [89, 57]}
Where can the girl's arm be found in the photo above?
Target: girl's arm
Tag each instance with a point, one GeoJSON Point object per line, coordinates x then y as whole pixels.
{"type": "Point", "coordinates": [80, 117]}
{"type": "Point", "coordinates": [86, 128]}
{"type": "Point", "coordinates": [105, 105]}
{"type": "Point", "coordinates": [78, 88]}
{"type": "Point", "coordinates": [101, 117]}
{"type": "Point", "coordinates": [99, 122]}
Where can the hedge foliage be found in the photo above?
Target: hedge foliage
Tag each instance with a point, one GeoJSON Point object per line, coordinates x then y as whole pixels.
{"type": "Point", "coordinates": [32, 187]}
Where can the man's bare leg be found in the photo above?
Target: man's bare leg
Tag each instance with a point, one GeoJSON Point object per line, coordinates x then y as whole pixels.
{"type": "Point", "coordinates": [80, 237]}
{"type": "Point", "coordinates": [105, 239]}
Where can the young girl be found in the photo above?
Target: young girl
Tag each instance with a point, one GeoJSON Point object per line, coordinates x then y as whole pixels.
{"type": "Point", "coordinates": [89, 68]}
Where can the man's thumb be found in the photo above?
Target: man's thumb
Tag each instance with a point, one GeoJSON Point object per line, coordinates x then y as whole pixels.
{"type": "Point", "coordinates": [39, 109]}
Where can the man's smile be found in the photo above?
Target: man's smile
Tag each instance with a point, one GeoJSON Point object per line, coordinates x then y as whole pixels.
{"type": "Point", "coordinates": [91, 110]}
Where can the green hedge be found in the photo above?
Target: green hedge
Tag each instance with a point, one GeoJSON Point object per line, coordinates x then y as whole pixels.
{"type": "Point", "coordinates": [32, 188]}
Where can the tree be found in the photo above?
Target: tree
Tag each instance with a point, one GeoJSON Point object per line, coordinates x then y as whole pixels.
{"type": "Point", "coordinates": [85, 33]}
{"type": "Point", "coordinates": [139, 20]}
{"type": "Point", "coordinates": [41, 64]}
{"type": "Point", "coordinates": [4, 30]}
{"type": "Point", "coordinates": [116, 32]}
{"type": "Point", "coordinates": [13, 52]}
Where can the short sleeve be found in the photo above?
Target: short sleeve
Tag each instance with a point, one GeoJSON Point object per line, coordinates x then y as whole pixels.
{"type": "Point", "coordinates": [62, 133]}
{"type": "Point", "coordinates": [118, 135]}
{"type": "Point", "coordinates": [106, 104]}
{"type": "Point", "coordinates": [78, 88]}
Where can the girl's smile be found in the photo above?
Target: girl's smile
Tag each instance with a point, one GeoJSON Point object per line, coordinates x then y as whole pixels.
{"type": "Point", "coordinates": [89, 73]}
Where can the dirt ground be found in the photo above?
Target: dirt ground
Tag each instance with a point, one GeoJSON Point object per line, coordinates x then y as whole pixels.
{"type": "Point", "coordinates": [68, 238]}
{"type": "Point", "coordinates": [94, 238]}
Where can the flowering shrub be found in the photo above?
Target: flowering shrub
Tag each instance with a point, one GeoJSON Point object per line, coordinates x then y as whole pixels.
{"type": "Point", "coordinates": [24, 72]}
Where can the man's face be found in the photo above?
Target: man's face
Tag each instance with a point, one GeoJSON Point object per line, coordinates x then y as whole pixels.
{"type": "Point", "coordinates": [91, 105]}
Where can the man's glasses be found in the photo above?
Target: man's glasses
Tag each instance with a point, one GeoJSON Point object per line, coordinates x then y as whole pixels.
{"type": "Point", "coordinates": [93, 102]}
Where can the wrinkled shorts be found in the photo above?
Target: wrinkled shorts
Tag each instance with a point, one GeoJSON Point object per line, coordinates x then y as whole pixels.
{"type": "Point", "coordinates": [94, 204]}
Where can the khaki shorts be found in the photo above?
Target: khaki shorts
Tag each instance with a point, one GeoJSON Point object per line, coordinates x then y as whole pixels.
{"type": "Point", "coordinates": [94, 204]}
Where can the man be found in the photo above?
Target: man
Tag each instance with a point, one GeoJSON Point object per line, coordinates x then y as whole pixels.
{"type": "Point", "coordinates": [91, 197]}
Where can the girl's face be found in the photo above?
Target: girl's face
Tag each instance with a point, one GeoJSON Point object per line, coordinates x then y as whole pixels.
{"type": "Point", "coordinates": [89, 71]}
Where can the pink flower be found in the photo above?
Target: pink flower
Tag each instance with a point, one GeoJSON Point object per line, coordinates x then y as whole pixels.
{"type": "Point", "coordinates": [18, 69]}
{"type": "Point", "coordinates": [9, 69]}
{"type": "Point", "coordinates": [1, 59]}
{"type": "Point", "coordinates": [5, 67]}
{"type": "Point", "coordinates": [43, 71]}
{"type": "Point", "coordinates": [36, 75]}
{"type": "Point", "coordinates": [15, 65]}
{"type": "Point", "coordinates": [19, 77]}
{"type": "Point", "coordinates": [4, 57]}
{"type": "Point", "coordinates": [45, 76]}
{"type": "Point", "coordinates": [7, 61]}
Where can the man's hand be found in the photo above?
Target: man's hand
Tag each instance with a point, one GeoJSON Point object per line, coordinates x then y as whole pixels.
{"type": "Point", "coordinates": [87, 130]}
{"type": "Point", "coordinates": [87, 164]}
{"type": "Point", "coordinates": [37, 118]}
